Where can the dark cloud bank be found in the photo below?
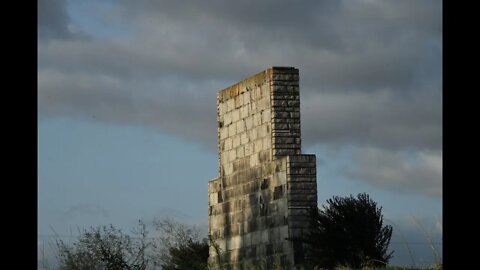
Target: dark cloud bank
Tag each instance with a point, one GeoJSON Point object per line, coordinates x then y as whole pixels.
{"type": "Point", "coordinates": [370, 72]}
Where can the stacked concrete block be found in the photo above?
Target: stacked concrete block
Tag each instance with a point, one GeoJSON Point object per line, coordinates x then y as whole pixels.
{"type": "Point", "coordinates": [258, 203]}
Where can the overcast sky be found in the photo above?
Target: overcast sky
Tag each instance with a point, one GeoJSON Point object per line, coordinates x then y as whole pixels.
{"type": "Point", "coordinates": [127, 103]}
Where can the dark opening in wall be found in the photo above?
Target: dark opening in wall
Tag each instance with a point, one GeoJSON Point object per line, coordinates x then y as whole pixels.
{"type": "Point", "coordinates": [264, 184]}
{"type": "Point", "coordinates": [278, 192]}
{"type": "Point", "coordinates": [220, 197]}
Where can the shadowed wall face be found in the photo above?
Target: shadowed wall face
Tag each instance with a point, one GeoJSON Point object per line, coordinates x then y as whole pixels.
{"type": "Point", "coordinates": [258, 204]}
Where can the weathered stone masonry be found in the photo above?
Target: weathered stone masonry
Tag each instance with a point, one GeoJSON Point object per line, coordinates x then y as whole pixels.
{"type": "Point", "coordinates": [258, 203]}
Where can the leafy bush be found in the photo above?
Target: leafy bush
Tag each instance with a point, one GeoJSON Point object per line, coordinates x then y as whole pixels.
{"type": "Point", "coordinates": [190, 255]}
{"type": "Point", "coordinates": [348, 232]}
{"type": "Point", "coordinates": [176, 247]}
{"type": "Point", "coordinates": [105, 248]}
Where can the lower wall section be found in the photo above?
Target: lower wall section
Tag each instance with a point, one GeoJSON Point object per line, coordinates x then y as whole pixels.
{"type": "Point", "coordinates": [257, 214]}
{"type": "Point", "coordinates": [264, 248]}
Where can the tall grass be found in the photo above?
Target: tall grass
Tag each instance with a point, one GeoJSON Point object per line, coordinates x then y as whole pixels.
{"type": "Point", "coordinates": [404, 241]}
{"type": "Point", "coordinates": [429, 238]}
{"type": "Point", "coordinates": [437, 260]}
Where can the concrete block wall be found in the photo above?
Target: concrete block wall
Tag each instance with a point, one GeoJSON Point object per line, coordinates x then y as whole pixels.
{"type": "Point", "coordinates": [257, 204]}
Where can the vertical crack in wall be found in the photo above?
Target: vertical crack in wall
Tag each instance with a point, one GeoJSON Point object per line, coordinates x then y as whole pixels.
{"type": "Point", "coordinates": [259, 202]}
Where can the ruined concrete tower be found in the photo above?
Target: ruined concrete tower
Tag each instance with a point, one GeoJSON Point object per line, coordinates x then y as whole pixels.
{"type": "Point", "coordinates": [258, 204]}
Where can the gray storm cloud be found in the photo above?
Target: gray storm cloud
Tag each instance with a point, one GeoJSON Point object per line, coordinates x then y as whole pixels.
{"type": "Point", "coordinates": [370, 71]}
{"type": "Point", "coordinates": [383, 118]}
{"type": "Point", "coordinates": [419, 172]}
{"type": "Point", "coordinates": [52, 19]}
